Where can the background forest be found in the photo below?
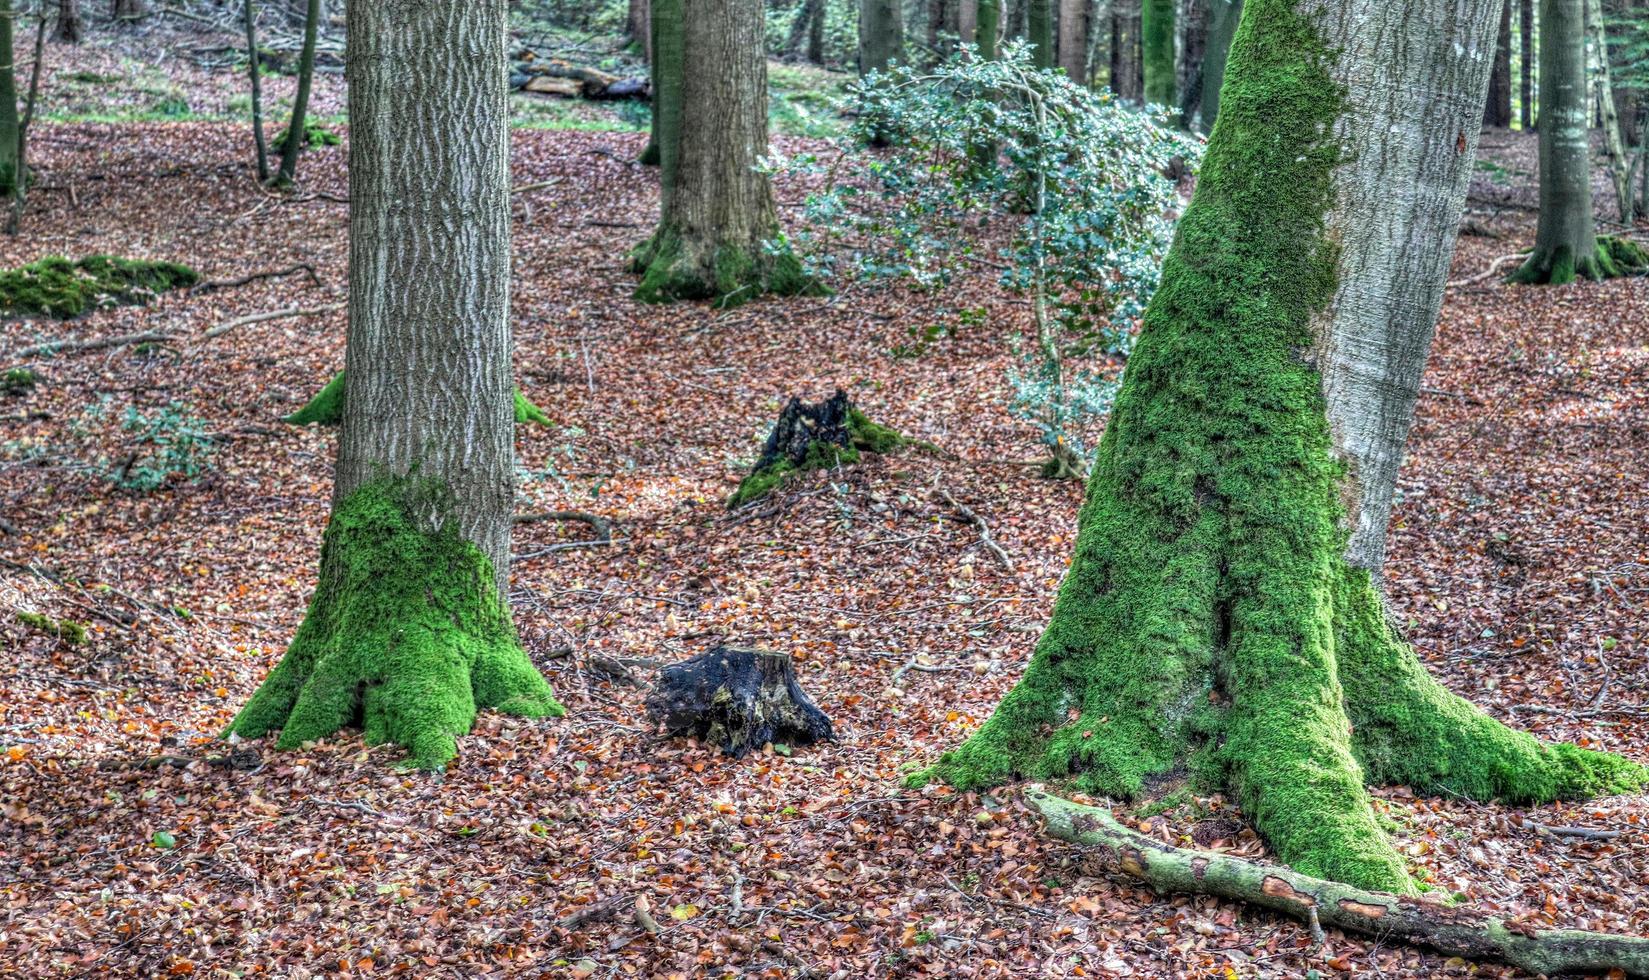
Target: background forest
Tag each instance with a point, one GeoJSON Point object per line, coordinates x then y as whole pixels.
{"type": "Point", "coordinates": [797, 328]}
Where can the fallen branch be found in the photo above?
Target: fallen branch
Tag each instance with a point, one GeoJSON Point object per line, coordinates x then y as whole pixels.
{"type": "Point", "coordinates": [984, 529]}
{"type": "Point", "coordinates": [66, 346]}
{"type": "Point", "coordinates": [524, 188]}
{"type": "Point", "coordinates": [1453, 931]}
{"type": "Point", "coordinates": [216, 284]}
{"type": "Point", "coordinates": [600, 525]}
{"type": "Point", "coordinates": [290, 311]}
{"type": "Point", "coordinates": [1494, 267]}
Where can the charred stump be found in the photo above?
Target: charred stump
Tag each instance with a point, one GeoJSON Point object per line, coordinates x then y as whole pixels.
{"type": "Point", "coordinates": [814, 436]}
{"type": "Point", "coordinates": [737, 698]}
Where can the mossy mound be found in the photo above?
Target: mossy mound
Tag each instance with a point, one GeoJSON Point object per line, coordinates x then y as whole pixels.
{"type": "Point", "coordinates": [1611, 257]}
{"type": "Point", "coordinates": [327, 407]}
{"type": "Point", "coordinates": [66, 630]}
{"type": "Point", "coordinates": [18, 381]}
{"type": "Point", "coordinates": [407, 635]}
{"type": "Point", "coordinates": [57, 287]}
{"type": "Point", "coordinates": [314, 134]}
{"type": "Point", "coordinates": [814, 437]}
{"type": "Point", "coordinates": [672, 268]}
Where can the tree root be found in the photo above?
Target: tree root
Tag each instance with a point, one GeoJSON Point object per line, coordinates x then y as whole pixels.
{"type": "Point", "coordinates": [1453, 931]}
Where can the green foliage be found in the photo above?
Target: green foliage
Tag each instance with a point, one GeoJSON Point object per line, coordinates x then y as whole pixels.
{"type": "Point", "coordinates": [863, 436]}
{"type": "Point", "coordinates": [169, 443]}
{"type": "Point", "coordinates": [18, 381]}
{"type": "Point", "coordinates": [526, 411]}
{"type": "Point", "coordinates": [1080, 176]}
{"type": "Point", "coordinates": [315, 134]}
{"type": "Point", "coordinates": [66, 630]}
{"type": "Point", "coordinates": [57, 287]}
{"type": "Point", "coordinates": [327, 407]}
{"type": "Point", "coordinates": [407, 636]}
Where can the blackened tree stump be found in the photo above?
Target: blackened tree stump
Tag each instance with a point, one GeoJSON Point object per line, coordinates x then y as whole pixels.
{"type": "Point", "coordinates": [737, 698]}
{"type": "Point", "coordinates": [814, 436]}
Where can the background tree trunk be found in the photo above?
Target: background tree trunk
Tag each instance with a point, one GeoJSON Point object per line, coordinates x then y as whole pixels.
{"type": "Point", "coordinates": [1497, 111]}
{"type": "Point", "coordinates": [9, 164]}
{"type": "Point", "coordinates": [1566, 244]}
{"type": "Point", "coordinates": [638, 25]}
{"type": "Point", "coordinates": [1223, 16]}
{"type": "Point", "coordinates": [1157, 40]}
{"type": "Point", "coordinates": [1526, 64]}
{"type": "Point", "coordinates": [70, 28]}
{"type": "Point", "coordinates": [1075, 25]}
{"type": "Point", "coordinates": [409, 632]}
{"type": "Point", "coordinates": [1221, 612]}
{"type": "Point", "coordinates": [1039, 32]}
{"type": "Point", "coordinates": [249, 16]}
{"type": "Point", "coordinates": [717, 215]}
{"type": "Point", "coordinates": [881, 34]}
{"type": "Point", "coordinates": [1126, 75]}
{"type": "Point", "coordinates": [987, 26]}
{"type": "Point", "coordinates": [128, 10]}
{"type": "Point", "coordinates": [967, 21]}
{"type": "Point", "coordinates": [296, 123]}
{"type": "Point", "coordinates": [665, 59]}
{"type": "Point", "coordinates": [815, 33]}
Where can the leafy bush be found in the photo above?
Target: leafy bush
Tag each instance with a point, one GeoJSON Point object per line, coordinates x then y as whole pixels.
{"type": "Point", "coordinates": [170, 443]}
{"type": "Point", "coordinates": [1083, 179]}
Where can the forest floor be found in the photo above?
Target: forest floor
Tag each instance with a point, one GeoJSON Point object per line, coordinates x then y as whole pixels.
{"type": "Point", "coordinates": [1519, 561]}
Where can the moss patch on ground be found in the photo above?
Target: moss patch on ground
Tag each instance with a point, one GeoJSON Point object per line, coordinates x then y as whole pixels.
{"type": "Point", "coordinates": [864, 436]}
{"type": "Point", "coordinates": [327, 407]}
{"type": "Point", "coordinates": [58, 287]}
{"type": "Point", "coordinates": [671, 271]}
{"type": "Point", "coordinates": [407, 635]}
{"type": "Point", "coordinates": [66, 630]}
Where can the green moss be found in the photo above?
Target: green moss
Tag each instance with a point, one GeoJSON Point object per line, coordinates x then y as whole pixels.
{"type": "Point", "coordinates": [57, 287]}
{"type": "Point", "coordinates": [1208, 619]}
{"type": "Point", "coordinates": [406, 636]}
{"type": "Point", "coordinates": [327, 407]}
{"type": "Point", "coordinates": [670, 271]}
{"type": "Point", "coordinates": [1610, 257]}
{"type": "Point", "coordinates": [864, 436]}
{"type": "Point", "coordinates": [18, 381]}
{"type": "Point", "coordinates": [314, 134]}
{"type": "Point", "coordinates": [66, 630]}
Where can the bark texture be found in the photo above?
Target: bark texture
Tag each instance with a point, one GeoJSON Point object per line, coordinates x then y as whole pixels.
{"type": "Point", "coordinates": [665, 143]}
{"type": "Point", "coordinates": [1126, 75]}
{"type": "Point", "coordinates": [70, 28]}
{"type": "Point", "coordinates": [297, 122]}
{"type": "Point", "coordinates": [1497, 111]}
{"type": "Point", "coordinates": [1525, 63]}
{"type": "Point", "coordinates": [881, 34]}
{"type": "Point", "coordinates": [1566, 246]}
{"type": "Point", "coordinates": [987, 26]}
{"type": "Point", "coordinates": [409, 633]}
{"type": "Point", "coordinates": [738, 699]}
{"type": "Point", "coordinates": [1157, 38]}
{"type": "Point", "coordinates": [1039, 31]}
{"type": "Point", "coordinates": [1074, 39]}
{"type": "Point", "coordinates": [10, 165]}
{"type": "Point", "coordinates": [1221, 615]}
{"type": "Point", "coordinates": [1223, 16]}
{"type": "Point", "coordinates": [717, 217]}
{"type": "Point", "coordinates": [1450, 930]}
{"type": "Point", "coordinates": [249, 20]}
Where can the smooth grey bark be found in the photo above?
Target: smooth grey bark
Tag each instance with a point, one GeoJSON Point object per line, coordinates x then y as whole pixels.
{"type": "Point", "coordinates": [881, 34]}
{"type": "Point", "coordinates": [1415, 75]}
{"type": "Point", "coordinates": [297, 122]}
{"type": "Point", "coordinates": [1566, 238]}
{"type": "Point", "coordinates": [638, 25]}
{"type": "Point", "coordinates": [967, 21]}
{"type": "Point", "coordinates": [1223, 16]}
{"type": "Point", "coordinates": [427, 368]}
{"type": "Point", "coordinates": [1075, 28]}
{"type": "Point", "coordinates": [70, 28]}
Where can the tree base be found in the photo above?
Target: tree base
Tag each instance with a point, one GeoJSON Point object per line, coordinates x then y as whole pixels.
{"type": "Point", "coordinates": [813, 437]}
{"type": "Point", "coordinates": [407, 637]}
{"type": "Point", "coordinates": [676, 268]}
{"type": "Point", "coordinates": [1610, 257]}
{"type": "Point", "coordinates": [327, 407]}
{"type": "Point", "coordinates": [738, 699]}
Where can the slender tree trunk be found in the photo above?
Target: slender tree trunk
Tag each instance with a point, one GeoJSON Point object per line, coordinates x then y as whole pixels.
{"type": "Point", "coordinates": [664, 20]}
{"type": "Point", "coordinates": [1526, 64]}
{"type": "Point", "coordinates": [409, 632]}
{"type": "Point", "coordinates": [250, 16]}
{"type": "Point", "coordinates": [1157, 39]}
{"type": "Point", "coordinates": [1039, 31]}
{"type": "Point", "coordinates": [1191, 41]}
{"type": "Point", "coordinates": [881, 35]}
{"type": "Point", "coordinates": [1127, 72]}
{"type": "Point", "coordinates": [1497, 111]}
{"type": "Point", "coordinates": [70, 28]}
{"type": "Point", "coordinates": [20, 190]}
{"type": "Point", "coordinates": [1620, 162]}
{"type": "Point", "coordinates": [987, 26]}
{"type": "Point", "coordinates": [1566, 245]}
{"type": "Point", "coordinates": [1223, 16]}
{"type": "Point", "coordinates": [11, 175]}
{"type": "Point", "coordinates": [717, 218]}
{"type": "Point", "coordinates": [807, 29]}
{"type": "Point", "coordinates": [1221, 615]}
{"type": "Point", "coordinates": [1075, 25]}
{"type": "Point", "coordinates": [297, 123]}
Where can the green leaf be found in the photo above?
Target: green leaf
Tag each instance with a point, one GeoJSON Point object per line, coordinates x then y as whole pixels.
{"type": "Point", "coordinates": [163, 839]}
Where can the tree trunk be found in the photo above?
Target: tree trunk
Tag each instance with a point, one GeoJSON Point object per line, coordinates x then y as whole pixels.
{"type": "Point", "coordinates": [1039, 31]}
{"type": "Point", "coordinates": [1075, 25]}
{"type": "Point", "coordinates": [1223, 16]}
{"type": "Point", "coordinates": [1526, 64]}
{"type": "Point", "coordinates": [1497, 111]}
{"type": "Point", "coordinates": [10, 165]}
{"type": "Point", "coordinates": [815, 34]}
{"type": "Point", "coordinates": [664, 20]}
{"type": "Point", "coordinates": [1157, 40]}
{"type": "Point", "coordinates": [249, 15]}
{"type": "Point", "coordinates": [296, 124]}
{"type": "Point", "coordinates": [987, 26]}
{"type": "Point", "coordinates": [1221, 616]}
{"type": "Point", "coordinates": [881, 35]}
{"type": "Point", "coordinates": [717, 216]}
{"type": "Point", "coordinates": [128, 10]}
{"type": "Point", "coordinates": [967, 21]}
{"type": "Point", "coordinates": [1127, 75]}
{"type": "Point", "coordinates": [1191, 40]}
{"type": "Point", "coordinates": [1566, 245]}
{"type": "Point", "coordinates": [409, 633]}
{"type": "Point", "coordinates": [807, 28]}
{"type": "Point", "coordinates": [1619, 161]}
{"type": "Point", "coordinates": [638, 25]}
{"type": "Point", "coordinates": [70, 28]}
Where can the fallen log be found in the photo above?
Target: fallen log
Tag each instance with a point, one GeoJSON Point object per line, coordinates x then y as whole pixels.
{"type": "Point", "coordinates": [1455, 931]}
{"type": "Point", "coordinates": [556, 77]}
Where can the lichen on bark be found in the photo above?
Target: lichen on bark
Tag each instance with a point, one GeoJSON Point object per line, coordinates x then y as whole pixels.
{"type": "Point", "coordinates": [1209, 625]}
{"type": "Point", "coordinates": [407, 635]}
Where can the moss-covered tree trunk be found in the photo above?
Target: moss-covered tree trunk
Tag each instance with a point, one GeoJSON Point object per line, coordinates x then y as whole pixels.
{"type": "Point", "coordinates": [1223, 16]}
{"type": "Point", "coordinates": [717, 216]}
{"type": "Point", "coordinates": [1157, 37]}
{"type": "Point", "coordinates": [1039, 31]}
{"type": "Point", "coordinates": [409, 633]}
{"type": "Point", "coordinates": [1497, 110]}
{"type": "Point", "coordinates": [296, 123]}
{"type": "Point", "coordinates": [1221, 616]}
{"type": "Point", "coordinates": [664, 23]}
{"type": "Point", "coordinates": [10, 164]}
{"type": "Point", "coordinates": [1566, 246]}
{"type": "Point", "coordinates": [1073, 39]}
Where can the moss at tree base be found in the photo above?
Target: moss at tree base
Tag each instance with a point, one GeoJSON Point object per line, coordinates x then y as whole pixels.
{"type": "Point", "coordinates": [407, 636]}
{"type": "Point", "coordinates": [57, 287]}
{"type": "Point", "coordinates": [327, 407]}
{"type": "Point", "coordinates": [672, 269]}
{"type": "Point", "coordinates": [863, 436]}
{"type": "Point", "coordinates": [1610, 258]}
